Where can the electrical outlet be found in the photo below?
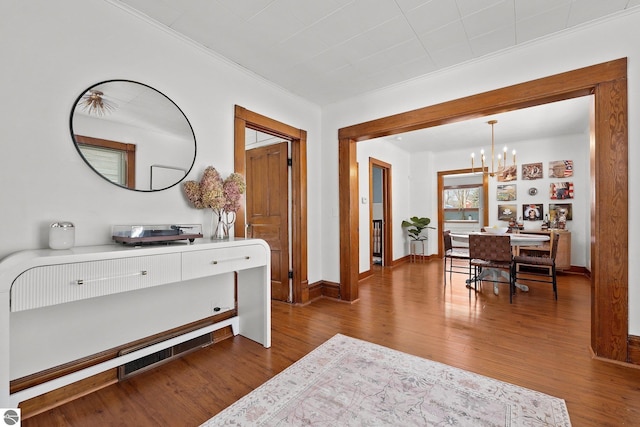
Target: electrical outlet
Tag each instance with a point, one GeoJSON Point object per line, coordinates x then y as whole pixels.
{"type": "Point", "coordinates": [216, 308]}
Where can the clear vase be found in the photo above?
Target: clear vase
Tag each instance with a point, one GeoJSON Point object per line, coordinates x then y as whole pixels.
{"type": "Point", "coordinates": [229, 220]}
{"type": "Point", "coordinates": [220, 228]}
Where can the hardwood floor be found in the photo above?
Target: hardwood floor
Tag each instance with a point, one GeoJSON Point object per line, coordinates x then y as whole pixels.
{"type": "Point", "coordinates": [536, 343]}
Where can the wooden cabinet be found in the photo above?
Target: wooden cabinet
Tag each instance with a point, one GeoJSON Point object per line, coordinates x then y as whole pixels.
{"type": "Point", "coordinates": [563, 257]}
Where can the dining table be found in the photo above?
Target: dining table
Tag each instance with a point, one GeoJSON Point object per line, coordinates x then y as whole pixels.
{"type": "Point", "coordinates": [517, 239]}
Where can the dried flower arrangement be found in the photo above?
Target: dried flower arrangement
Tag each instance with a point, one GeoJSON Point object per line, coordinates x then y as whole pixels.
{"type": "Point", "coordinates": [222, 196]}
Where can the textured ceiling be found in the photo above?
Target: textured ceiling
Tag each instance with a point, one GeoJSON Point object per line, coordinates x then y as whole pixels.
{"type": "Point", "coordinates": [329, 50]}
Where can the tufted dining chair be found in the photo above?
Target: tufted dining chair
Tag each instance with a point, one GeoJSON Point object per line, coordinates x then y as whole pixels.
{"type": "Point", "coordinates": [491, 255]}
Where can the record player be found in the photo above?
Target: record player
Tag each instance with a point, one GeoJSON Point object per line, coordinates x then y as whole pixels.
{"type": "Point", "coordinates": [155, 234]}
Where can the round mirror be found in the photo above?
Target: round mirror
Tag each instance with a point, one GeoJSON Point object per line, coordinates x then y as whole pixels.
{"type": "Point", "coordinates": [133, 135]}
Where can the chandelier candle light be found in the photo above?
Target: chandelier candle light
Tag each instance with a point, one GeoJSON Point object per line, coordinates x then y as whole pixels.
{"type": "Point", "coordinates": [493, 170]}
{"type": "Point", "coordinates": [93, 102]}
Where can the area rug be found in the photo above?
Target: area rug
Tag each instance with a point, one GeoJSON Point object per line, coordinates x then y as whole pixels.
{"type": "Point", "coordinates": [350, 382]}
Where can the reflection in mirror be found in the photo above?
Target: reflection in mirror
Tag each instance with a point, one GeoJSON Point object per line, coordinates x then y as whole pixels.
{"type": "Point", "coordinates": [132, 135]}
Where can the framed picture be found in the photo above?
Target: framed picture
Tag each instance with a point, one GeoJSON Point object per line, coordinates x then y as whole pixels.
{"type": "Point", "coordinates": [561, 190]}
{"type": "Point", "coordinates": [507, 212]}
{"type": "Point", "coordinates": [556, 208]}
{"type": "Point", "coordinates": [509, 173]}
{"type": "Point", "coordinates": [506, 193]}
{"type": "Point", "coordinates": [532, 212]}
{"type": "Point", "coordinates": [532, 171]}
{"type": "Point", "coordinates": [560, 168]}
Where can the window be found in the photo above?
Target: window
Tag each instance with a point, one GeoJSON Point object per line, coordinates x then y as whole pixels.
{"type": "Point", "coordinates": [113, 160]}
{"type": "Point", "coordinates": [462, 202]}
{"type": "Point", "coordinates": [109, 162]}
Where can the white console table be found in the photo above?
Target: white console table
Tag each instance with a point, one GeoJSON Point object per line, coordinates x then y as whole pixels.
{"type": "Point", "coordinates": [35, 279]}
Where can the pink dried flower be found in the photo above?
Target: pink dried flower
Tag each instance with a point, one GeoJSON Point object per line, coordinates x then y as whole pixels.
{"type": "Point", "coordinates": [233, 188]}
{"type": "Point", "coordinates": [239, 180]}
{"type": "Point", "coordinates": [192, 191]}
{"type": "Point", "coordinates": [211, 188]}
{"type": "Point", "coordinates": [212, 192]}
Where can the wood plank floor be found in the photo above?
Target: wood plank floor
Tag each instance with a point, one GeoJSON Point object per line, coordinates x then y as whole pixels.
{"type": "Point", "coordinates": [536, 343]}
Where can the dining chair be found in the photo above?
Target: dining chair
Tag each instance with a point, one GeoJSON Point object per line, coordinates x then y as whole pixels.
{"type": "Point", "coordinates": [534, 266]}
{"type": "Point", "coordinates": [458, 257]}
{"type": "Point", "coordinates": [491, 255]}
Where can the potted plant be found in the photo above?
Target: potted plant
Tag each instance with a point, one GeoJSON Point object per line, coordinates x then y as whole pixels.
{"type": "Point", "coordinates": [415, 225]}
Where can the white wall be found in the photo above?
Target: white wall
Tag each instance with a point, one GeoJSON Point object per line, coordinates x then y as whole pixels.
{"type": "Point", "coordinates": [589, 45]}
{"type": "Point", "coordinates": [51, 52]}
{"type": "Point", "coordinates": [400, 205]}
{"type": "Point", "coordinates": [571, 147]}
{"type": "Point", "coordinates": [58, 49]}
{"type": "Point", "coordinates": [420, 187]}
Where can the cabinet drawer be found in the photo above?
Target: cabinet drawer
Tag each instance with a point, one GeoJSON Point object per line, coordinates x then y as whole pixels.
{"type": "Point", "coordinates": [57, 284]}
{"type": "Point", "coordinates": [221, 260]}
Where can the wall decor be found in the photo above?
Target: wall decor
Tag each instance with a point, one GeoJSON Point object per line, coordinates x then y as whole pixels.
{"type": "Point", "coordinates": [507, 212]}
{"type": "Point", "coordinates": [561, 169]}
{"type": "Point", "coordinates": [532, 171]}
{"type": "Point", "coordinates": [132, 135]}
{"type": "Point", "coordinates": [561, 190]}
{"type": "Point", "coordinates": [509, 173]}
{"type": "Point", "coordinates": [556, 208]}
{"type": "Point", "coordinates": [506, 193]}
{"type": "Point", "coordinates": [533, 191]}
{"type": "Point", "coordinates": [532, 212]}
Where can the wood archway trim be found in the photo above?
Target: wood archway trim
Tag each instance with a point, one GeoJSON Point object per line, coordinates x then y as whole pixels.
{"type": "Point", "coordinates": [248, 119]}
{"type": "Point", "coordinates": [387, 213]}
{"type": "Point", "coordinates": [485, 197]}
{"type": "Point", "coordinates": [607, 82]}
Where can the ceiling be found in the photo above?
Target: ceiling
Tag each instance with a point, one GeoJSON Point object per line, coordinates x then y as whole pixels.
{"type": "Point", "coordinates": [329, 50]}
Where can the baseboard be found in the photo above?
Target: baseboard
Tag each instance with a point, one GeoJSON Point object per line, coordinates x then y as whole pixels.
{"type": "Point", "coordinates": [365, 274]}
{"type": "Point", "coordinates": [324, 288]}
{"type": "Point", "coordinates": [48, 401]}
{"type": "Point", "coordinates": [633, 352]}
{"type": "Point", "coordinates": [83, 387]}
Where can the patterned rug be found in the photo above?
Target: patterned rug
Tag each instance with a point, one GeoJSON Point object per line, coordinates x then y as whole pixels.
{"type": "Point", "coordinates": [349, 382]}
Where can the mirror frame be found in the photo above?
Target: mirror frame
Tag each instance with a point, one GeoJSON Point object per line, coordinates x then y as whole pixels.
{"type": "Point", "coordinates": [75, 142]}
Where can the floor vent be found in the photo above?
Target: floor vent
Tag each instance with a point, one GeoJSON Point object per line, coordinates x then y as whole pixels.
{"type": "Point", "coordinates": [154, 359]}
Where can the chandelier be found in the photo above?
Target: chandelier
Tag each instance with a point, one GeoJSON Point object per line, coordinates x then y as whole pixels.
{"type": "Point", "coordinates": [502, 158]}
{"type": "Point", "coordinates": [93, 102]}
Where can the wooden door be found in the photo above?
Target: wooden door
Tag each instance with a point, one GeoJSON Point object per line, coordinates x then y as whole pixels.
{"type": "Point", "coordinates": [268, 210]}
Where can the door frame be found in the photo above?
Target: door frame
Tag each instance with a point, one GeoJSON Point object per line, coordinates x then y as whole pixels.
{"type": "Point", "coordinates": [609, 159]}
{"type": "Point", "coordinates": [485, 195]}
{"type": "Point", "coordinates": [387, 220]}
{"type": "Point", "coordinates": [243, 119]}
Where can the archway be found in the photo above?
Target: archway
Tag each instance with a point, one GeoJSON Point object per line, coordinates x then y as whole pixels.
{"type": "Point", "coordinates": [609, 167]}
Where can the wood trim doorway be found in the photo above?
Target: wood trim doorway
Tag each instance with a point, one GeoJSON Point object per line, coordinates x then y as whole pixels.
{"type": "Point", "coordinates": [485, 194]}
{"type": "Point", "coordinates": [607, 82]}
{"type": "Point", "coordinates": [248, 119]}
{"type": "Point", "coordinates": [387, 220]}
